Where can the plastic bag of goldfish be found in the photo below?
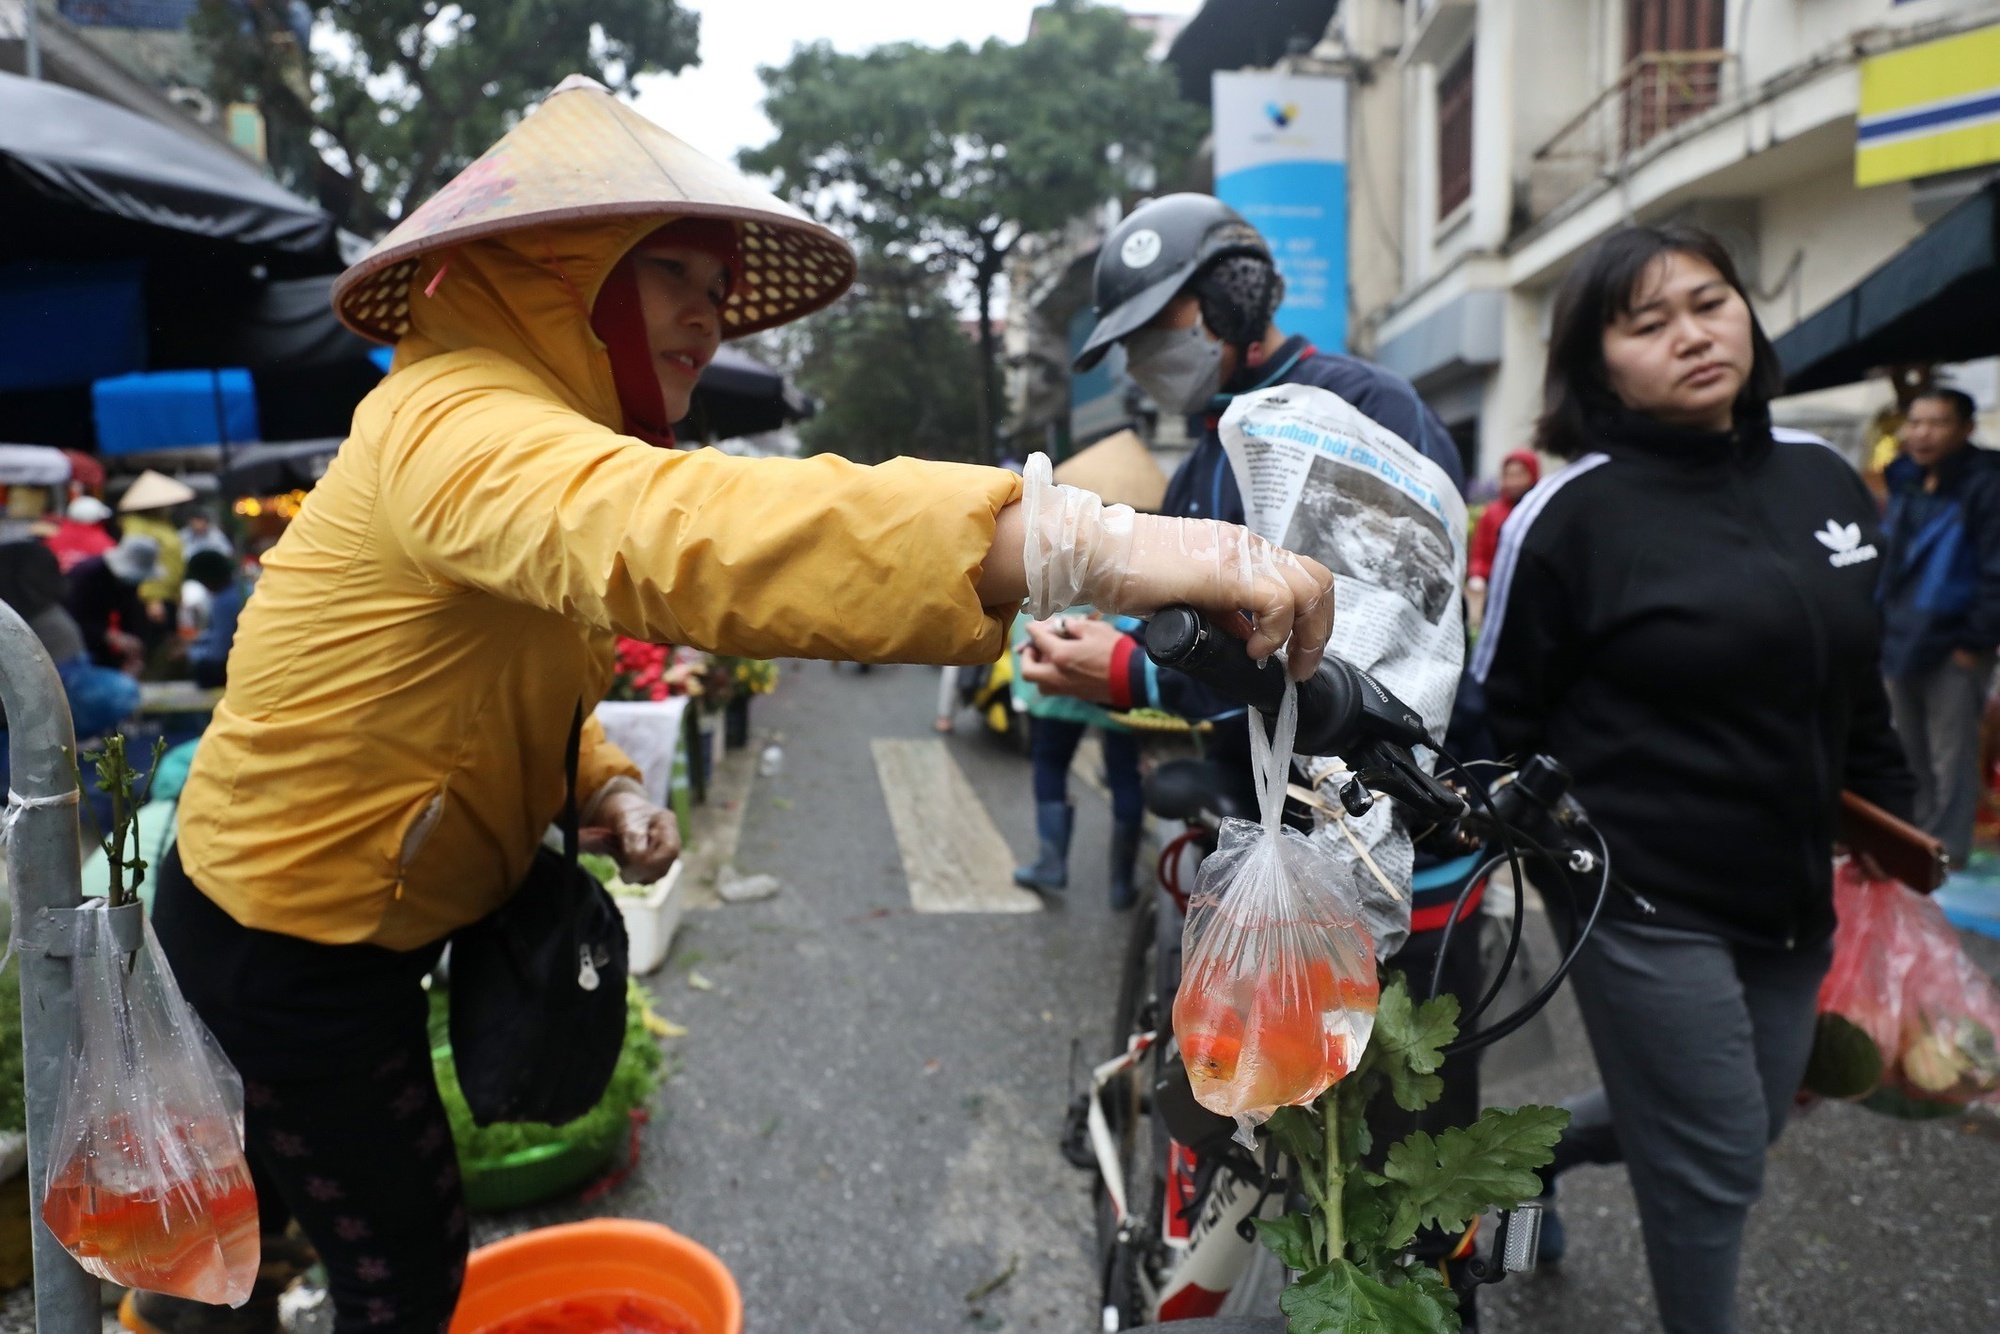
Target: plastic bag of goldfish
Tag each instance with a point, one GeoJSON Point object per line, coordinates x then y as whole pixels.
{"type": "Point", "coordinates": [1277, 994]}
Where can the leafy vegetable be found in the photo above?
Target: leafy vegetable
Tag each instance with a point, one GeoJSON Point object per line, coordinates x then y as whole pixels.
{"type": "Point", "coordinates": [1350, 1245]}
{"type": "Point", "coordinates": [603, 867]}
{"type": "Point", "coordinates": [637, 1076]}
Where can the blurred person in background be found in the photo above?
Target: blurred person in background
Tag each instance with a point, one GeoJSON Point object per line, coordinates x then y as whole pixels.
{"type": "Point", "coordinates": [1940, 598]}
{"type": "Point", "coordinates": [1518, 473]}
{"type": "Point", "coordinates": [33, 584]}
{"type": "Point", "coordinates": [222, 595]}
{"type": "Point", "coordinates": [146, 509]}
{"type": "Point", "coordinates": [201, 533]}
{"type": "Point", "coordinates": [104, 599]}
{"type": "Point", "coordinates": [81, 533]}
{"type": "Point", "coordinates": [1685, 618]}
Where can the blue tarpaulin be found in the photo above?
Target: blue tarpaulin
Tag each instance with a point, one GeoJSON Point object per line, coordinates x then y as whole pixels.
{"type": "Point", "coordinates": [69, 323]}
{"type": "Point", "coordinates": [174, 409]}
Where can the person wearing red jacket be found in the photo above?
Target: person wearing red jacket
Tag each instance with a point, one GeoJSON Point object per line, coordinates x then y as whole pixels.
{"type": "Point", "coordinates": [1519, 472]}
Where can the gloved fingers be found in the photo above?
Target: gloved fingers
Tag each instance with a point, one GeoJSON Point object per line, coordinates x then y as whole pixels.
{"type": "Point", "coordinates": [1311, 587]}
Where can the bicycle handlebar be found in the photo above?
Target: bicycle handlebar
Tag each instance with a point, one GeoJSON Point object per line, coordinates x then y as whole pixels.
{"type": "Point", "coordinates": [1343, 711]}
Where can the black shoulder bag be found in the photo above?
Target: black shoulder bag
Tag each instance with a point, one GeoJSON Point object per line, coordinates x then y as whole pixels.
{"type": "Point", "coordinates": [538, 988]}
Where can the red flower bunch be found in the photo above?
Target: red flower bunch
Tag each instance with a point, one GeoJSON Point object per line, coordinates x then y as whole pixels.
{"type": "Point", "coordinates": [642, 671]}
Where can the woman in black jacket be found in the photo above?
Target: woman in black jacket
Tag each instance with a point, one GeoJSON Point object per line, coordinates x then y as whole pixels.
{"type": "Point", "coordinates": [1685, 617]}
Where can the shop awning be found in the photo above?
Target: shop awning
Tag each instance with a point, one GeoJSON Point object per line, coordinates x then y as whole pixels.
{"type": "Point", "coordinates": [66, 148]}
{"type": "Point", "coordinates": [1935, 300]}
{"type": "Point", "coordinates": [738, 395]}
{"type": "Point", "coordinates": [1235, 34]}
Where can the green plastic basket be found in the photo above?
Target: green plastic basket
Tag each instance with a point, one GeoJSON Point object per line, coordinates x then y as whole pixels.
{"type": "Point", "coordinates": [530, 1176]}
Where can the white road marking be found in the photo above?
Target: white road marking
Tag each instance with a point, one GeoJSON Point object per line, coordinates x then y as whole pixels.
{"type": "Point", "coordinates": [953, 856]}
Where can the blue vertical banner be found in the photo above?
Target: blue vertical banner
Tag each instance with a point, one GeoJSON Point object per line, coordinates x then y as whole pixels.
{"type": "Point", "coordinates": [1281, 161]}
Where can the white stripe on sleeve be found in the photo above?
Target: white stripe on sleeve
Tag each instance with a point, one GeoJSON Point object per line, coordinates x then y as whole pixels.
{"type": "Point", "coordinates": [1508, 555]}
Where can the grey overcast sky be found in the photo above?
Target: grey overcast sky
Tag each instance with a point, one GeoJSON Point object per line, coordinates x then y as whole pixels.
{"type": "Point", "coordinates": [714, 106]}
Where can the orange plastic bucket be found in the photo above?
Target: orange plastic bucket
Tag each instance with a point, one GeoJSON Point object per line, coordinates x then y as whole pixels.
{"type": "Point", "coordinates": [618, 1256]}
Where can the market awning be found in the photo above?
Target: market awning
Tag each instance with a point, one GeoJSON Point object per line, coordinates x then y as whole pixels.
{"type": "Point", "coordinates": [67, 148]}
{"type": "Point", "coordinates": [1235, 34]}
{"type": "Point", "coordinates": [739, 395]}
{"type": "Point", "coordinates": [1935, 300]}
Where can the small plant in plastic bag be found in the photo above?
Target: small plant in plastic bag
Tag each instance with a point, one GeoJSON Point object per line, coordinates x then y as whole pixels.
{"type": "Point", "coordinates": [1278, 990]}
{"type": "Point", "coordinates": [147, 1183]}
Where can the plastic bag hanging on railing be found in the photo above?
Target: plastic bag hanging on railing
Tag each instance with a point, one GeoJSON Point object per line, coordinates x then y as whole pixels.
{"type": "Point", "coordinates": [1907, 1023]}
{"type": "Point", "coordinates": [147, 1185]}
{"type": "Point", "coordinates": [1278, 990]}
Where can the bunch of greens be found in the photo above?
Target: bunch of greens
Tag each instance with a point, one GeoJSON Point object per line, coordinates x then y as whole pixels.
{"type": "Point", "coordinates": [117, 779]}
{"type": "Point", "coordinates": [637, 1076]}
{"type": "Point", "coordinates": [1350, 1246]}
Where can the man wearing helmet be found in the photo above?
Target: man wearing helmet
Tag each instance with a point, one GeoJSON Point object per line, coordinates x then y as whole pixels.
{"type": "Point", "coordinates": [1190, 290]}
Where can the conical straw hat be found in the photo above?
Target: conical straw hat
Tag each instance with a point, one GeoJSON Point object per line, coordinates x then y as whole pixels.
{"type": "Point", "coordinates": [1118, 468]}
{"type": "Point", "coordinates": [154, 491]}
{"type": "Point", "coordinates": [584, 155]}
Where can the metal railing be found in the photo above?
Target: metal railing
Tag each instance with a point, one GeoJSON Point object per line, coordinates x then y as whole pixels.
{"type": "Point", "coordinates": [43, 871]}
{"type": "Point", "coordinates": [1656, 92]}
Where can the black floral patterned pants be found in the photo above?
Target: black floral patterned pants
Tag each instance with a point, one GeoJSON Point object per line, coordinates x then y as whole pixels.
{"type": "Point", "coordinates": [342, 1120]}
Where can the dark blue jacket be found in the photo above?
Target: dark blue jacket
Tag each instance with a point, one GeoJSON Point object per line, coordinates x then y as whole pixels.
{"type": "Point", "coordinates": [1940, 585]}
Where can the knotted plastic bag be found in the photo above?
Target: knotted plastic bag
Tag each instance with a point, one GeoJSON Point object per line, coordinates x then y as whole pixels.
{"type": "Point", "coordinates": [1907, 1021]}
{"type": "Point", "coordinates": [147, 1184]}
{"type": "Point", "coordinates": [1278, 990]}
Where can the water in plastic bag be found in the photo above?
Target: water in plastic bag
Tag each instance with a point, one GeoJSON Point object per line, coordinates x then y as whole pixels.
{"type": "Point", "coordinates": [148, 1186]}
{"type": "Point", "coordinates": [1278, 990]}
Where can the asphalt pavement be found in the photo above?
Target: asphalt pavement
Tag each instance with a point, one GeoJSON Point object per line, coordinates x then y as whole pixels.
{"type": "Point", "coordinates": [864, 1118]}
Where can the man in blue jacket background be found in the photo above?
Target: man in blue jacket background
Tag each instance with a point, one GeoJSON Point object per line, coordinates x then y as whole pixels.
{"type": "Point", "coordinates": [1940, 599]}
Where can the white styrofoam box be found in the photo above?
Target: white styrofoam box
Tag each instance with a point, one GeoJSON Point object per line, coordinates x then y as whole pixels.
{"type": "Point", "coordinates": [650, 922]}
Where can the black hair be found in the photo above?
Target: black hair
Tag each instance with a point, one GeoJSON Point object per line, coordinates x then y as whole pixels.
{"type": "Point", "coordinates": [1596, 292]}
{"type": "Point", "coordinates": [212, 570]}
{"type": "Point", "coordinates": [1960, 401]}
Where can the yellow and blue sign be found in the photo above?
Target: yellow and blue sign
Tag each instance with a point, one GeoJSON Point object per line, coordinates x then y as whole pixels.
{"type": "Point", "coordinates": [1930, 109]}
{"type": "Point", "coordinates": [1281, 161]}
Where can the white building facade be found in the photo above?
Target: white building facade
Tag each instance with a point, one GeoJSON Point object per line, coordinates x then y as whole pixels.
{"type": "Point", "coordinates": [1495, 140]}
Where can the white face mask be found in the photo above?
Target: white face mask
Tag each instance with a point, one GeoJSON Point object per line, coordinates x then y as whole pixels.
{"type": "Point", "coordinates": [1180, 369]}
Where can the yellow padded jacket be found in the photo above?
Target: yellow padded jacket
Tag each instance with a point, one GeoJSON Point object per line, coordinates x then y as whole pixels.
{"type": "Point", "coordinates": [389, 749]}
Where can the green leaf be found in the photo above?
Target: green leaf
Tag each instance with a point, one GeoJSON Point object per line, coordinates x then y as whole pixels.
{"type": "Point", "coordinates": [1367, 1204]}
{"type": "Point", "coordinates": [1339, 1299]}
{"type": "Point", "coordinates": [1490, 1164]}
{"type": "Point", "coordinates": [1290, 1239]}
{"type": "Point", "coordinates": [1410, 1038]}
{"type": "Point", "coordinates": [1301, 1132]}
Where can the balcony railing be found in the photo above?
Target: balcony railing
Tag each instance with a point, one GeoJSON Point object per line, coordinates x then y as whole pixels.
{"type": "Point", "coordinates": [1653, 94]}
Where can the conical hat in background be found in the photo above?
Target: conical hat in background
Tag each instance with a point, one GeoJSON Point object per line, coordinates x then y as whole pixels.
{"type": "Point", "coordinates": [583, 155]}
{"type": "Point", "coordinates": [154, 491]}
{"type": "Point", "coordinates": [1120, 469]}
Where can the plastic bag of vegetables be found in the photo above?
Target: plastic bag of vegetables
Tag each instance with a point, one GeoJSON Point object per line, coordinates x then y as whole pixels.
{"type": "Point", "coordinates": [1906, 1021]}
{"type": "Point", "coordinates": [1278, 989]}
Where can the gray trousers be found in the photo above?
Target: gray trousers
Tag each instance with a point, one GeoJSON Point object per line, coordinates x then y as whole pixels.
{"type": "Point", "coordinates": [1701, 1045]}
{"type": "Point", "coordinates": [1937, 715]}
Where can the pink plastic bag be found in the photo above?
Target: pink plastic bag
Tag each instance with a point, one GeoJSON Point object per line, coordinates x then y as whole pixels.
{"type": "Point", "coordinates": [148, 1186]}
{"type": "Point", "coordinates": [1278, 990]}
{"type": "Point", "coordinates": [1901, 982]}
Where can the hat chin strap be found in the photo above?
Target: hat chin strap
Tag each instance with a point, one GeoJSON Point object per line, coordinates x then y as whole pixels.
{"type": "Point", "coordinates": [620, 321]}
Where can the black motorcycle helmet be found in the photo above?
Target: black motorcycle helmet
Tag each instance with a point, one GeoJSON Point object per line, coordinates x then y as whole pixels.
{"type": "Point", "coordinates": [1154, 253]}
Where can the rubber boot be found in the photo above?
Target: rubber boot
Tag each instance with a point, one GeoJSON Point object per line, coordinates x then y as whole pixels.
{"type": "Point", "coordinates": [1053, 822]}
{"type": "Point", "coordinates": [1124, 856]}
{"type": "Point", "coordinates": [284, 1257]}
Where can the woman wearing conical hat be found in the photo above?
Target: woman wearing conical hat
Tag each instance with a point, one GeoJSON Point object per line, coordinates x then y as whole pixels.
{"type": "Point", "coordinates": [402, 687]}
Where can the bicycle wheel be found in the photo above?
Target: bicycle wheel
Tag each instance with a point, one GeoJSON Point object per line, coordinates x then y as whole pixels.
{"type": "Point", "coordinates": [1141, 1143]}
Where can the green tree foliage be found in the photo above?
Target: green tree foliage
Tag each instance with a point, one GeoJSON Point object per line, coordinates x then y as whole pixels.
{"type": "Point", "coordinates": [395, 97]}
{"type": "Point", "coordinates": [947, 156]}
{"type": "Point", "coordinates": [892, 369]}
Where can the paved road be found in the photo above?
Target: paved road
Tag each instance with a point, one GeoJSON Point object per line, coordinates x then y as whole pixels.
{"type": "Point", "coordinates": [864, 1120]}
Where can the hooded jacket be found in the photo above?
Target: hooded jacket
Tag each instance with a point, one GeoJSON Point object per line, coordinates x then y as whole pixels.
{"type": "Point", "coordinates": [1941, 565]}
{"type": "Point", "coordinates": [1686, 620]}
{"type": "Point", "coordinates": [389, 749]}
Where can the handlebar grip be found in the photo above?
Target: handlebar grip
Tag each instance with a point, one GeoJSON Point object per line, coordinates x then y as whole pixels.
{"type": "Point", "coordinates": [1181, 638]}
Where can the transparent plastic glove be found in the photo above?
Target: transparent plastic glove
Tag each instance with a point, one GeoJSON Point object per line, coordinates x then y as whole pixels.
{"type": "Point", "coordinates": [1080, 550]}
{"type": "Point", "coordinates": [647, 837]}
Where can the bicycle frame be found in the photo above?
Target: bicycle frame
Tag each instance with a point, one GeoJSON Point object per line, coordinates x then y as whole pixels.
{"type": "Point", "coordinates": [1211, 1255]}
